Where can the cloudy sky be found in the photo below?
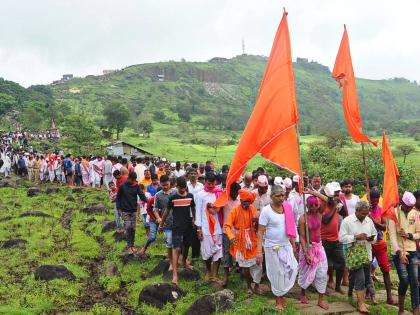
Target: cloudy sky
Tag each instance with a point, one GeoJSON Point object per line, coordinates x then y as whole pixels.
{"type": "Point", "coordinates": [42, 39]}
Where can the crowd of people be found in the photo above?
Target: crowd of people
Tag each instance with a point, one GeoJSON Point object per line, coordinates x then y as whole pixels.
{"type": "Point", "coordinates": [327, 237]}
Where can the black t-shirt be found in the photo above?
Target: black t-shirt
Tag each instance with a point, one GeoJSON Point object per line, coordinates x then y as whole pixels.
{"type": "Point", "coordinates": [182, 209]}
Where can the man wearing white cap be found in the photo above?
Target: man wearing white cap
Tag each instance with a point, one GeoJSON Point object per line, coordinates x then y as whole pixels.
{"type": "Point", "coordinates": [262, 192]}
{"type": "Point", "coordinates": [403, 237]}
{"type": "Point", "coordinates": [332, 208]}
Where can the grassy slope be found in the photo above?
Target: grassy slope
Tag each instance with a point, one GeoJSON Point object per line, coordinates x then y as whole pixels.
{"type": "Point", "coordinates": [77, 248]}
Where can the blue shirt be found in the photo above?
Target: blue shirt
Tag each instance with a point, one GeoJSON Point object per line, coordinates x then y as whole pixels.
{"type": "Point", "coordinates": [152, 190]}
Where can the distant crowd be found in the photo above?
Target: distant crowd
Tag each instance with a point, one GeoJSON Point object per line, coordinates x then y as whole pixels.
{"type": "Point", "coordinates": [327, 237]}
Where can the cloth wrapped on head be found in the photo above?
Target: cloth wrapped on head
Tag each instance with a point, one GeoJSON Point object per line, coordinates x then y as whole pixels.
{"type": "Point", "coordinates": [245, 195]}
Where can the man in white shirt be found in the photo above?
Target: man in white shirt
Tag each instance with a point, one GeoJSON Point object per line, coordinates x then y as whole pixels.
{"type": "Point", "coordinates": [358, 230]}
{"type": "Point", "coordinates": [108, 171]}
{"type": "Point", "coordinates": [350, 200]}
{"type": "Point", "coordinates": [139, 169]}
{"type": "Point", "coordinates": [209, 232]}
{"type": "Point", "coordinates": [178, 172]}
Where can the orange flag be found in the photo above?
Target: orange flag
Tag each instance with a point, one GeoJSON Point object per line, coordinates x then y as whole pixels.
{"type": "Point", "coordinates": [344, 75]}
{"type": "Point", "coordinates": [391, 176]}
{"type": "Point", "coordinates": [271, 127]}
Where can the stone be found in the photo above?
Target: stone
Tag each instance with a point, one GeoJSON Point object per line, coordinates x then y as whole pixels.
{"type": "Point", "coordinates": [65, 219]}
{"type": "Point", "coordinates": [50, 272]}
{"type": "Point", "coordinates": [88, 220]}
{"type": "Point", "coordinates": [5, 218]}
{"type": "Point", "coordinates": [33, 191]}
{"type": "Point", "coordinates": [183, 274]}
{"type": "Point", "coordinates": [77, 190]}
{"type": "Point", "coordinates": [160, 268]}
{"type": "Point", "coordinates": [7, 182]}
{"type": "Point", "coordinates": [108, 226]}
{"type": "Point", "coordinates": [335, 308]}
{"type": "Point", "coordinates": [209, 304]}
{"type": "Point", "coordinates": [70, 199]}
{"type": "Point", "coordinates": [35, 214]}
{"type": "Point", "coordinates": [159, 294]}
{"type": "Point", "coordinates": [14, 242]}
{"type": "Point", "coordinates": [51, 190]}
{"type": "Point", "coordinates": [112, 270]}
{"type": "Point", "coordinates": [126, 258]}
{"type": "Point", "coordinates": [119, 236]}
{"type": "Point", "coordinates": [95, 209]}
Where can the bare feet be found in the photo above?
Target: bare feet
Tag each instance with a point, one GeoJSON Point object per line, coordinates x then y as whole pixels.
{"type": "Point", "coordinates": [187, 265]}
{"type": "Point", "coordinates": [323, 305]}
{"type": "Point", "coordinates": [249, 291]}
{"type": "Point", "coordinates": [257, 289]}
{"type": "Point", "coordinates": [142, 251]}
{"type": "Point", "coordinates": [391, 301]}
{"type": "Point", "coordinates": [303, 299]}
{"type": "Point", "coordinates": [218, 281]}
{"type": "Point", "coordinates": [131, 250]}
{"type": "Point", "coordinates": [363, 309]}
{"type": "Point", "coordinates": [170, 267]}
{"type": "Point", "coordinates": [330, 285]}
{"type": "Point", "coordinates": [207, 276]}
{"type": "Point", "coordinates": [175, 280]}
{"type": "Point", "coordinates": [339, 290]}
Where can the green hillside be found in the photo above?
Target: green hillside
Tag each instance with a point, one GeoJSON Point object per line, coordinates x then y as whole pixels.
{"type": "Point", "coordinates": [216, 95]}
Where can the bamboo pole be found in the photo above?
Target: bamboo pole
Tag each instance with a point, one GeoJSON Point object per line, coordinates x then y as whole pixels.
{"type": "Point", "coordinates": [366, 173]}
{"type": "Point", "coordinates": [305, 210]}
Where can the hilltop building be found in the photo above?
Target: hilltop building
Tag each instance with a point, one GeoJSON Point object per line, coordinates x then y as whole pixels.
{"type": "Point", "coordinates": [124, 149]}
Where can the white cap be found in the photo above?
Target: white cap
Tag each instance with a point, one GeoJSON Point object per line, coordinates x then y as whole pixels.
{"type": "Point", "coordinates": [296, 178]}
{"type": "Point", "coordinates": [330, 188]}
{"type": "Point", "coordinates": [287, 182]}
{"type": "Point", "coordinates": [163, 159]}
{"type": "Point", "coordinates": [278, 181]}
{"type": "Point", "coordinates": [173, 164]}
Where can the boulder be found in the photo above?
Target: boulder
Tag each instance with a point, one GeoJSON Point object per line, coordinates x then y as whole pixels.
{"type": "Point", "coordinates": [209, 304]}
{"type": "Point", "coordinates": [7, 182]}
{"type": "Point", "coordinates": [35, 214]}
{"type": "Point", "coordinates": [98, 208]}
{"type": "Point", "coordinates": [5, 218]}
{"type": "Point", "coordinates": [65, 219]}
{"type": "Point", "coordinates": [126, 257]}
{"type": "Point", "coordinates": [70, 199]}
{"type": "Point", "coordinates": [159, 294]}
{"type": "Point", "coordinates": [33, 191]}
{"type": "Point", "coordinates": [119, 236]}
{"type": "Point", "coordinates": [14, 242]}
{"type": "Point", "coordinates": [108, 226]}
{"type": "Point", "coordinates": [112, 270]}
{"type": "Point", "coordinates": [50, 272]}
{"type": "Point", "coordinates": [77, 190]}
{"type": "Point", "coordinates": [51, 190]}
{"type": "Point", "coordinates": [160, 268]}
{"type": "Point", "coordinates": [183, 274]}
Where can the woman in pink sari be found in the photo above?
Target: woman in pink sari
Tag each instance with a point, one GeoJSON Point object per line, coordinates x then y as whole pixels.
{"type": "Point", "coordinates": [313, 264]}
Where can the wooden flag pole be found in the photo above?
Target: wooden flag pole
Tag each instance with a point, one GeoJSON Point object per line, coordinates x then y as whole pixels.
{"type": "Point", "coordinates": [366, 173]}
{"type": "Point", "coordinates": [305, 210]}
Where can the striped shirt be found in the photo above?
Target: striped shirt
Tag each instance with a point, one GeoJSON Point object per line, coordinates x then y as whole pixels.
{"type": "Point", "coordinates": [183, 208]}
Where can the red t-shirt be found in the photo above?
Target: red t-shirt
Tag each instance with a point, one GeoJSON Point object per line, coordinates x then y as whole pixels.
{"type": "Point", "coordinates": [329, 232]}
{"type": "Point", "coordinates": [121, 181]}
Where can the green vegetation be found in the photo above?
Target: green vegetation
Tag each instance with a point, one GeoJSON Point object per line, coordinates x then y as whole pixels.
{"type": "Point", "coordinates": [86, 252]}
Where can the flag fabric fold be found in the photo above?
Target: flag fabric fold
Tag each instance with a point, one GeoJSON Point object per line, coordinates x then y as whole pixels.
{"type": "Point", "coordinates": [270, 129]}
{"type": "Point", "coordinates": [391, 176]}
{"type": "Point", "coordinates": [343, 73]}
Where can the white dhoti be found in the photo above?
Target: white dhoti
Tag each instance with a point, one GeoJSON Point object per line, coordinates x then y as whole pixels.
{"type": "Point", "coordinates": [96, 179]}
{"type": "Point", "coordinates": [211, 247]}
{"type": "Point", "coordinates": [254, 269]}
{"type": "Point", "coordinates": [281, 266]}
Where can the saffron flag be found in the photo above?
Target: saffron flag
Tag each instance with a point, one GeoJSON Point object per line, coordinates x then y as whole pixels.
{"type": "Point", "coordinates": [270, 129]}
{"type": "Point", "coordinates": [344, 75]}
{"type": "Point", "coordinates": [391, 176]}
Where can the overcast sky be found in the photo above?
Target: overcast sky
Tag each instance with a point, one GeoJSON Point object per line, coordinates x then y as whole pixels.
{"type": "Point", "coordinates": [42, 39]}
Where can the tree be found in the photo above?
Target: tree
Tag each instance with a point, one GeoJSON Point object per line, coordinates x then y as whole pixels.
{"type": "Point", "coordinates": [215, 143]}
{"type": "Point", "coordinates": [116, 116]}
{"type": "Point", "coordinates": [80, 136]}
{"type": "Point", "coordinates": [6, 102]}
{"type": "Point", "coordinates": [405, 150]}
{"type": "Point", "coordinates": [145, 125]}
{"type": "Point", "coordinates": [334, 138]}
{"type": "Point", "coordinates": [33, 116]}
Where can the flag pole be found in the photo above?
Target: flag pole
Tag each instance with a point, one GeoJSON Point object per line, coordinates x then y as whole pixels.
{"type": "Point", "coordinates": [366, 173]}
{"type": "Point", "coordinates": [305, 210]}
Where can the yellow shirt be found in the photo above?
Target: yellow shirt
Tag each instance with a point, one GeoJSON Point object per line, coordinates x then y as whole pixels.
{"type": "Point", "coordinates": [145, 182]}
{"type": "Point", "coordinates": [364, 198]}
{"type": "Point", "coordinates": [411, 224]}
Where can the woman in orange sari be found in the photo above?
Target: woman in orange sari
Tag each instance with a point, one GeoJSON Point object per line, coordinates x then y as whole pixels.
{"type": "Point", "coordinates": [240, 230]}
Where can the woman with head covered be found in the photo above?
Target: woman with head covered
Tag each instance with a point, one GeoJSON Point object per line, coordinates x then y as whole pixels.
{"type": "Point", "coordinates": [277, 228]}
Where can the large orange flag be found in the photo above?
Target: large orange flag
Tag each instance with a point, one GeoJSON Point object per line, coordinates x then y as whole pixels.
{"type": "Point", "coordinates": [391, 176]}
{"type": "Point", "coordinates": [271, 128]}
{"type": "Point", "coordinates": [343, 73]}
